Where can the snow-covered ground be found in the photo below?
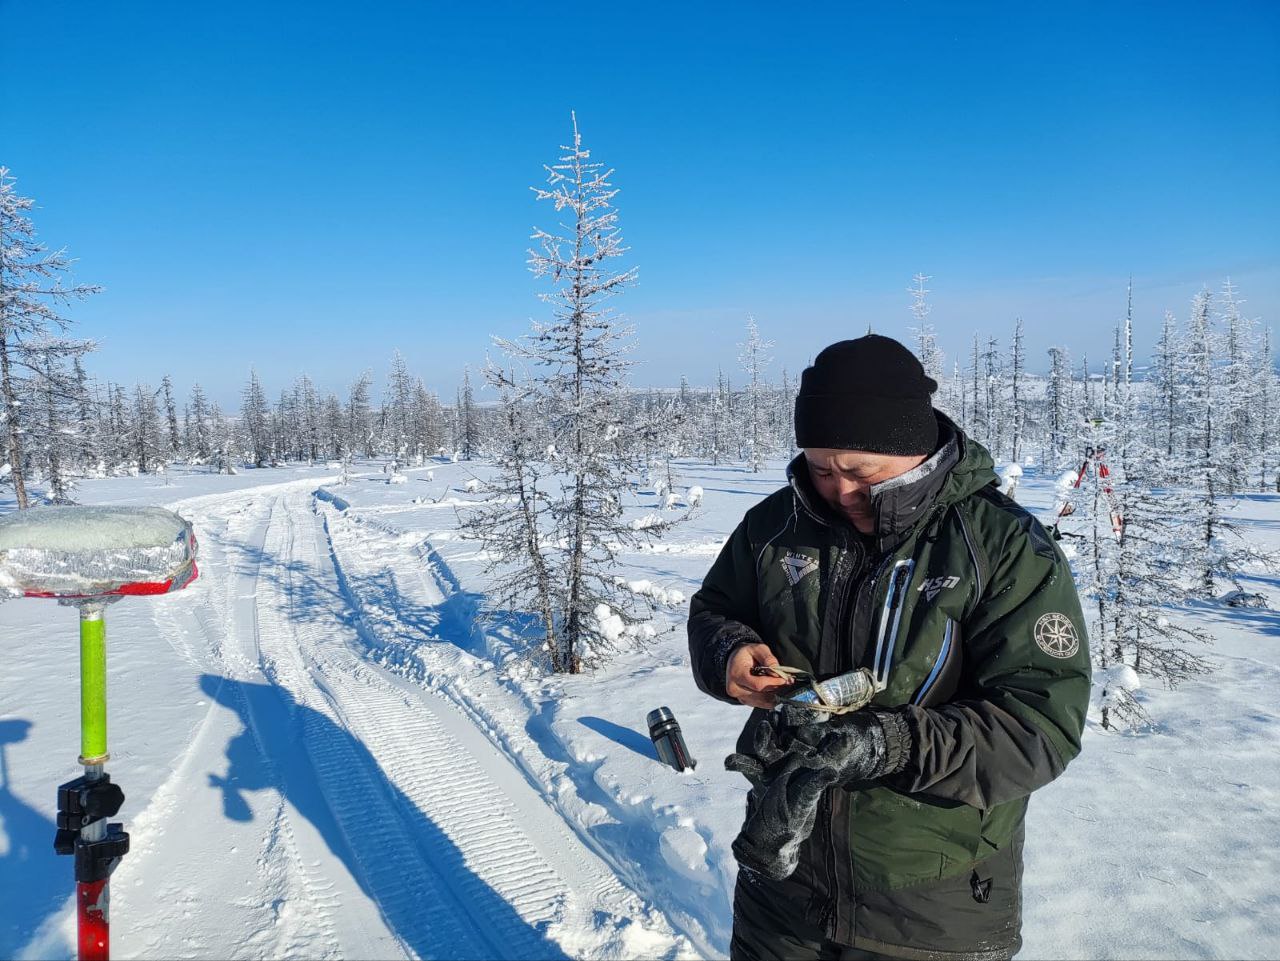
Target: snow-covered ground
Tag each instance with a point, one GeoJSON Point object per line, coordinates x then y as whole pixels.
{"type": "Point", "coordinates": [326, 754]}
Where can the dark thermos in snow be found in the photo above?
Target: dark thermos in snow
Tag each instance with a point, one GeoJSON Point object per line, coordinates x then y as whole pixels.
{"type": "Point", "coordinates": [664, 729]}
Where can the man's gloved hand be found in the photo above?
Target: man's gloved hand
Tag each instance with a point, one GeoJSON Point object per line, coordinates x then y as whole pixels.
{"type": "Point", "coordinates": [793, 763]}
{"type": "Point", "coordinates": [786, 786]}
{"type": "Point", "coordinates": [864, 745]}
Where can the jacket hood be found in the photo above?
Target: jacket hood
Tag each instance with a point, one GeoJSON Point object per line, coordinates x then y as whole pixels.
{"type": "Point", "coordinates": [959, 467]}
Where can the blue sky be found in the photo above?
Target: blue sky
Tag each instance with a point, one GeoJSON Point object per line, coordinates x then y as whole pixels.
{"type": "Point", "coordinates": [309, 186]}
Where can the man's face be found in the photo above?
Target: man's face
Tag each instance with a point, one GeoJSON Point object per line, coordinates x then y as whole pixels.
{"type": "Point", "coordinates": [844, 479]}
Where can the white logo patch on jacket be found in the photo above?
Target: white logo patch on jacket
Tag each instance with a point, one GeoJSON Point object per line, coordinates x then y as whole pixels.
{"type": "Point", "coordinates": [934, 584]}
{"type": "Point", "coordinates": [1056, 635]}
{"type": "Point", "coordinates": [798, 567]}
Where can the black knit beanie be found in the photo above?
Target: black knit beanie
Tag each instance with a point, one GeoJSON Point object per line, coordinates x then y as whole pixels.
{"type": "Point", "coordinates": [867, 394]}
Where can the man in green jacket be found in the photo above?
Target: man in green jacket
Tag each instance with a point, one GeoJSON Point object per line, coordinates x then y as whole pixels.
{"type": "Point", "coordinates": [896, 830]}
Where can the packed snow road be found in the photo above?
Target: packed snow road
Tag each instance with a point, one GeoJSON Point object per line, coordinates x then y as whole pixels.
{"type": "Point", "coordinates": [350, 812]}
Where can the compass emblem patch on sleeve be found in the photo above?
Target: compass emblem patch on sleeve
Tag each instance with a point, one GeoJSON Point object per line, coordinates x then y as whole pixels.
{"type": "Point", "coordinates": [1056, 635]}
{"type": "Point", "coordinates": [798, 567]}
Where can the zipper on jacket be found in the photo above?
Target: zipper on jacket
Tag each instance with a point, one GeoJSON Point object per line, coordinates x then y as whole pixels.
{"type": "Point", "coordinates": [973, 553]}
{"type": "Point", "coordinates": [827, 918]}
{"type": "Point", "coordinates": [868, 590]}
{"type": "Point", "coordinates": [891, 620]}
{"type": "Point", "coordinates": [943, 653]}
{"type": "Point", "coordinates": [851, 560]}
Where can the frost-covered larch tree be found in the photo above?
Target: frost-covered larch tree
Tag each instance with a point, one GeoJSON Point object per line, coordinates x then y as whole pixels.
{"type": "Point", "coordinates": [399, 406]}
{"type": "Point", "coordinates": [358, 433]}
{"type": "Point", "coordinates": [86, 419]}
{"type": "Point", "coordinates": [332, 425]}
{"type": "Point", "coordinates": [31, 295]}
{"type": "Point", "coordinates": [1265, 392]}
{"type": "Point", "coordinates": [926, 338]}
{"type": "Point", "coordinates": [1017, 392]}
{"type": "Point", "coordinates": [1060, 417]}
{"type": "Point", "coordinates": [468, 434]}
{"type": "Point", "coordinates": [119, 425]}
{"type": "Point", "coordinates": [428, 422]}
{"type": "Point", "coordinates": [578, 365]}
{"type": "Point", "coordinates": [1239, 391]}
{"type": "Point", "coordinates": [1164, 380]}
{"type": "Point", "coordinates": [254, 415]}
{"type": "Point", "coordinates": [307, 402]}
{"type": "Point", "coordinates": [1126, 408]}
{"type": "Point", "coordinates": [56, 438]}
{"type": "Point", "coordinates": [1133, 581]}
{"type": "Point", "coordinates": [721, 418]}
{"type": "Point", "coordinates": [753, 355]}
{"type": "Point", "coordinates": [1200, 468]}
{"type": "Point", "coordinates": [513, 518]}
{"type": "Point", "coordinates": [954, 396]}
{"type": "Point", "coordinates": [198, 441]}
{"type": "Point", "coordinates": [146, 437]}
{"type": "Point", "coordinates": [173, 436]}
{"type": "Point", "coordinates": [993, 424]}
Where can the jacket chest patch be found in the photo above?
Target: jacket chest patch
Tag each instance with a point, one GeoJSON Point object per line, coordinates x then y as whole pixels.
{"type": "Point", "coordinates": [797, 567]}
{"type": "Point", "coordinates": [933, 585]}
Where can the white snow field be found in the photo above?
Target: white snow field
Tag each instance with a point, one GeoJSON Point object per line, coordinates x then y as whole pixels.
{"type": "Point", "coordinates": [327, 754]}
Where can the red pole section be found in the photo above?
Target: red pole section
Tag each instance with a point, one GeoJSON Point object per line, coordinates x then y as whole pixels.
{"type": "Point", "coordinates": [92, 920]}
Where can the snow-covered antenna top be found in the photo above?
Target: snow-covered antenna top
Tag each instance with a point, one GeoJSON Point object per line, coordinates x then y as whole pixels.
{"type": "Point", "coordinates": [85, 553]}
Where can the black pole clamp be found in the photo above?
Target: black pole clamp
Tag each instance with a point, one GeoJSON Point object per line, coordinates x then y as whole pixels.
{"type": "Point", "coordinates": [83, 802]}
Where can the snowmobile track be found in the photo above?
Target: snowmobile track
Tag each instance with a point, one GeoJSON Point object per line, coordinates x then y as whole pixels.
{"type": "Point", "coordinates": [437, 810]}
{"type": "Point", "coordinates": [376, 794]}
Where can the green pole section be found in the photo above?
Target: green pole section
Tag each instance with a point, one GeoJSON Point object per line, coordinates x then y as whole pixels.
{"type": "Point", "coordinates": [93, 686]}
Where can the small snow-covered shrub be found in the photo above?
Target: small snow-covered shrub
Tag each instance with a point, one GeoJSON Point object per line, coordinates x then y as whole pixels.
{"type": "Point", "coordinates": [693, 497]}
{"type": "Point", "coordinates": [1243, 599]}
{"type": "Point", "coordinates": [397, 479]}
{"type": "Point", "coordinates": [1010, 475]}
{"type": "Point", "coordinates": [669, 597]}
{"type": "Point", "coordinates": [472, 485]}
{"type": "Point", "coordinates": [644, 523]}
{"type": "Point", "coordinates": [1114, 689]}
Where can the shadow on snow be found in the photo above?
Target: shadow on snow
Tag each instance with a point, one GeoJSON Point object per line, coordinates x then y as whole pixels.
{"type": "Point", "coordinates": [35, 881]}
{"type": "Point", "coordinates": [275, 727]}
{"type": "Point", "coordinates": [634, 740]}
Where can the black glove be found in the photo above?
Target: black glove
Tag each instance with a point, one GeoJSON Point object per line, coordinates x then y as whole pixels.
{"type": "Point", "coordinates": [795, 758]}
{"type": "Point", "coordinates": [786, 786]}
{"type": "Point", "coordinates": [862, 746]}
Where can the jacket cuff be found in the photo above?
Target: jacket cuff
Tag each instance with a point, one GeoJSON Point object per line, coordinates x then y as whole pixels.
{"type": "Point", "coordinates": [898, 741]}
{"type": "Point", "coordinates": [725, 645]}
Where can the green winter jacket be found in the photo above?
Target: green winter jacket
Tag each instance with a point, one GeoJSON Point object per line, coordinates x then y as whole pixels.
{"type": "Point", "coordinates": [965, 609]}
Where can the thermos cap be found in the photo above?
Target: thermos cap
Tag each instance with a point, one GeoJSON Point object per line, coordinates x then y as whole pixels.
{"type": "Point", "coordinates": [659, 715]}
